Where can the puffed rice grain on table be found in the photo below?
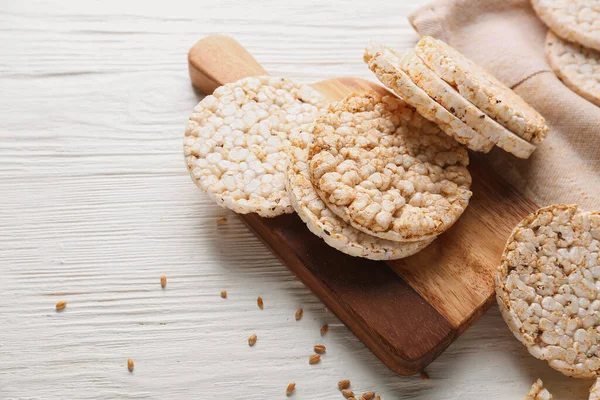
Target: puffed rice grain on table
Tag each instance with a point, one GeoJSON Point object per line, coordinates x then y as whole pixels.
{"type": "Point", "coordinates": [577, 66]}
{"type": "Point", "coordinates": [323, 222]}
{"type": "Point", "coordinates": [482, 89]}
{"type": "Point", "coordinates": [547, 287]}
{"type": "Point", "coordinates": [451, 100]}
{"type": "Point", "coordinates": [538, 392]}
{"type": "Point", "coordinates": [387, 171]}
{"type": "Point", "coordinates": [575, 21]}
{"type": "Point", "coordinates": [385, 64]}
{"type": "Point", "coordinates": [236, 142]}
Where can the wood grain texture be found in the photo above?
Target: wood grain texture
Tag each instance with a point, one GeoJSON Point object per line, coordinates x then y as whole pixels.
{"type": "Point", "coordinates": [96, 205]}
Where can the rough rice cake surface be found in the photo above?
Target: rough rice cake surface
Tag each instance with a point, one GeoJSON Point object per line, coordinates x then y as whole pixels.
{"type": "Point", "coordinates": [574, 20]}
{"type": "Point", "coordinates": [595, 390]}
{"type": "Point", "coordinates": [385, 64]}
{"type": "Point", "coordinates": [386, 170]}
{"type": "Point", "coordinates": [577, 66]}
{"type": "Point", "coordinates": [455, 103]}
{"type": "Point", "coordinates": [538, 392]}
{"type": "Point", "coordinates": [323, 222]}
{"type": "Point", "coordinates": [236, 142]}
{"type": "Point", "coordinates": [482, 89]}
{"type": "Point", "coordinates": [547, 287]}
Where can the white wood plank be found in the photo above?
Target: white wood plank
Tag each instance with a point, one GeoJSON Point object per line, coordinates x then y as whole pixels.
{"type": "Point", "coordinates": [95, 205]}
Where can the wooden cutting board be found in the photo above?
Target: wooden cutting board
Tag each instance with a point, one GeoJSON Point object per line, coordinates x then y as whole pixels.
{"type": "Point", "coordinates": [406, 311]}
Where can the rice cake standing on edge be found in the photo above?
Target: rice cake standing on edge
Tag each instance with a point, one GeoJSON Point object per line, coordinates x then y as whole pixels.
{"type": "Point", "coordinates": [538, 392]}
{"type": "Point", "coordinates": [577, 66]}
{"type": "Point", "coordinates": [386, 170]}
{"type": "Point", "coordinates": [575, 21]}
{"type": "Point", "coordinates": [547, 287]}
{"type": "Point", "coordinates": [323, 222]}
{"type": "Point", "coordinates": [385, 64]}
{"type": "Point", "coordinates": [482, 89]}
{"type": "Point", "coordinates": [455, 103]}
{"type": "Point", "coordinates": [236, 142]}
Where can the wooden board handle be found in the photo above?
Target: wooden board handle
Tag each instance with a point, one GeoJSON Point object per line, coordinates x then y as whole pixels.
{"type": "Point", "coordinates": [217, 60]}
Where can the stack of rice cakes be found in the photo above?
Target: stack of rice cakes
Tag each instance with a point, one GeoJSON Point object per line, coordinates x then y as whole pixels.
{"type": "Point", "coordinates": [374, 176]}
{"type": "Point", "coordinates": [468, 103]}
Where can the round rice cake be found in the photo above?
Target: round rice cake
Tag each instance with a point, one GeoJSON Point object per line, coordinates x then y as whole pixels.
{"type": "Point", "coordinates": [576, 21]}
{"type": "Point", "coordinates": [323, 222]}
{"type": "Point", "coordinates": [538, 392]}
{"type": "Point", "coordinates": [236, 142]}
{"type": "Point", "coordinates": [451, 100]}
{"type": "Point", "coordinates": [482, 89]}
{"type": "Point", "coordinates": [384, 169]}
{"type": "Point", "coordinates": [577, 66]}
{"type": "Point", "coordinates": [385, 64]}
{"type": "Point", "coordinates": [547, 287]}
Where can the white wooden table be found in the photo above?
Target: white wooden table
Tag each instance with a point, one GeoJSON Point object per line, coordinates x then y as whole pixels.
{"type": "Point", "coordinates": [96, 204]}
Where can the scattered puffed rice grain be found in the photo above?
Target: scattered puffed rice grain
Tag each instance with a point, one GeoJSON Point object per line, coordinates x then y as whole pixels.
{"type": "Point", "coordinates": [424, 376]}
{"type": "Point", "coordinates": [163, 281]}
{"type": "Point", "coordinates": [130, 364]}
{"type": "Point", "coordinates": [320, 349]}
{"type": "Point", "coordinates": [343, 384]}
{"type": "Point", "coordinates": [252, 339]}
{"type": "Point", "coordinates": [61, 305]}
{"type": "Point", "coordinates": [377, 398]}
{"type": "Point", "coordinates": [299, 314]}
{"type": "Point", "coordinates": [347, 393]}
{"type": "Point", "coordinates": [221, 220]}
{"type": "Point", "coordinates": [224, 294]}
{"type": "Point", "coordinates": [290, 388]}
{"type": "Point", "coordinates": [259, 302]}
{"type": "Point", "coordinates": [368, 395]}
{"type": "Point", "coordinates": [324, 329]}
{"type": "Point", "coordinates": [538, 392]}
{"type": "Point", "coordinates": [315, 358]}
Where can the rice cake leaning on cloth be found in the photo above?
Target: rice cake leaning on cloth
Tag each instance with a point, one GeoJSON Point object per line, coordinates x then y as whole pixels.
{"type": "Point", "coordinates": [576, 21]}
{"type": "Point", "coordinates": [577, 66]}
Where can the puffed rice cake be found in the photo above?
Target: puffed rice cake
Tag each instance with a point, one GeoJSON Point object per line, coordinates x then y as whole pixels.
{"type": "Point", "coordinates": [547, 287]}
{"type": "Point", "coordinates": [482, 89]}
{"type": "Point", "coordinates": [574, 20]}
{"type": "Point", "coordinates": [577, 66]}
{"type": "Point", "coordinates": [324, 223]}
{"type": "Point", "coordinates": [236, 142]}
{"type": "Point", "coordinates": [538, 392]}
{"type": "Point", "coordinates": [451, 100]}
{"type": "Point", "coordinates": [595, 390]}
{"type": "Point", "coordinates": [385, 64]}
{"type": "Point", "coordinates": [387, 171]}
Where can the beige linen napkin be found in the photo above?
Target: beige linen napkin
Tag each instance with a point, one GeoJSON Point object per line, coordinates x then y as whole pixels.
{"type": "Point", "coordinates": [507, 38]}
